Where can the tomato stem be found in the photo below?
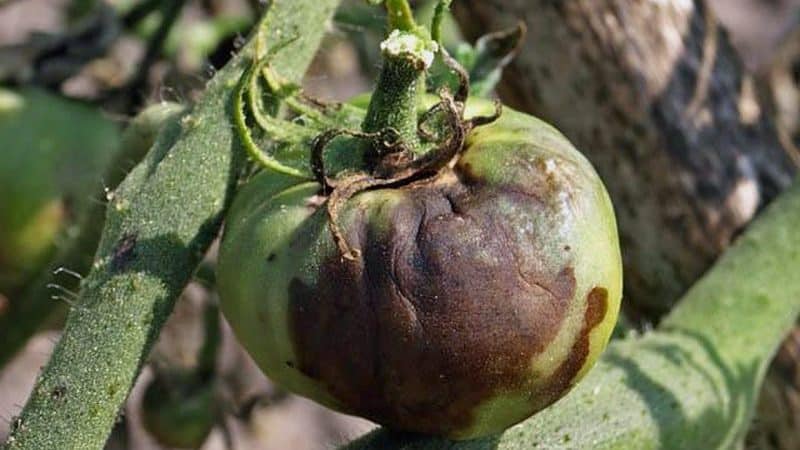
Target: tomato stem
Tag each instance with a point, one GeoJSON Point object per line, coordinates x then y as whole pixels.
{"type": "Point", "coordinates": [400, 15]}
{"type": "Point", "coordinates": [158, 226]}
{"type": "Point", "coordinates": [394, 102]}
{"type": "Point", "coordinates": [407, 55]}
{"type": "Point", "coordinates": [442, 7]}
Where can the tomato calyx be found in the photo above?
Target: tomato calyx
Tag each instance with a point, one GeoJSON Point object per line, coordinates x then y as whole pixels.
{"type": "Point", "coordinates": [391, 145]}
{"type": "Point", "coordinates": [395, 164]}
{"type": "Point", "coordinates": [392, 129]}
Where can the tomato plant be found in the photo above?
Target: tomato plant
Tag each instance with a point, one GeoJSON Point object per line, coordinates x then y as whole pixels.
{"type": "Point", "coordinates": [429, 260]}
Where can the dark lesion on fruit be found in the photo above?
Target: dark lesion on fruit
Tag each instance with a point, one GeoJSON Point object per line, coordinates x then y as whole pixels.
{"type": "Point", "coordinates": [431, 319]}
{"type": "Point", "coordinates": [564, 377]}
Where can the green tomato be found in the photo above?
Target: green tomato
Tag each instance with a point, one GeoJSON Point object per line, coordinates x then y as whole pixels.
{"type": "Point", "coordinates": [478, 297]}
{"type": "Point", "coordinates": [53, 152]}
{"type": "Point", "coordinates": [178, 410]}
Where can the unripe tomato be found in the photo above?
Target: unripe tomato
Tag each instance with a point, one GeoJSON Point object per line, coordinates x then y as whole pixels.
{"type": "Point", "coordinates": [477, 296]}
{"type": "Point", "coordinates": [179, 411]}
{"type": "Point", "coordinates": [53, 153]}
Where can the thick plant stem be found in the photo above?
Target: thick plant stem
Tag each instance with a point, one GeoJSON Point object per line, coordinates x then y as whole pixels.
{"type": "Point", "coordinates": [160, 223]}
{"type": "Point", "coordinates": [694, 381]}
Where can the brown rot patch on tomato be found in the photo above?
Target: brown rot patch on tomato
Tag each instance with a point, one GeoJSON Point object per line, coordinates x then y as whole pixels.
{"type": "Point", "coordinates": [595, 310]}
{"type": "Point", "coordinates": [446, 305]}
{"type": "Point", "coordinates": [124, 253]}
{"type": "Point", "coordinates": [564, 377]}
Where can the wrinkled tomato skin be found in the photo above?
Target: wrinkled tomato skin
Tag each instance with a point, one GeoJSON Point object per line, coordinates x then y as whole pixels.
{"type": "Point", "coordinates": [479, 296]}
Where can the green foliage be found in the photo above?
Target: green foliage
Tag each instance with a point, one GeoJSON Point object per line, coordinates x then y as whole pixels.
{"type": "Point", "coordinates": [181, 414]}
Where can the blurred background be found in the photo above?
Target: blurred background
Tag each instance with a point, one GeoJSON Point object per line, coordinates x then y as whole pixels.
{"type": "Point", "coordinates": [99, 63]}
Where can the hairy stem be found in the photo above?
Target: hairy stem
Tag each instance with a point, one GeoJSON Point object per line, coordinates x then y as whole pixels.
{"type": "Point", "coordinates": [163, 218]}
{"type": "Point", "coordinates": [394, 104]}
{"type": "Point", "coordinates": [693, 382]}
{"type": "Point", "coordinates": [406, 59]}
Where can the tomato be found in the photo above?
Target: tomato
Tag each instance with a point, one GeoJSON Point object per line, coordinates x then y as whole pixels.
{"type": "Point", "coordinates": [53, 154]}
{"type": "Point", "coordinates": [473, 298]}
{"type": "Point", "coordinates": [178, 410]}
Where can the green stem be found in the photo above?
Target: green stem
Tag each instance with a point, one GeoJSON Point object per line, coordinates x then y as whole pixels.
{"type": "Point", "coordinates": [694, 381]}
{"type": "Point", "coordinates": [394, 104]}
{"type": "Point", "coordinates": [162, 220]}
{"type": "Point", "coordinates": [400, 15]}
{"type": "Point", "coordinates": [442, 7]}
{"type": "Point", "coordinates": [207, 355]}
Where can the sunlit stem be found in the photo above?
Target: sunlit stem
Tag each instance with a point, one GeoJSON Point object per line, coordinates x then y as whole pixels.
{"type": "Point", "coordinates": [407, 56]}
{"type": "Point", "coordinates": [400, 15]}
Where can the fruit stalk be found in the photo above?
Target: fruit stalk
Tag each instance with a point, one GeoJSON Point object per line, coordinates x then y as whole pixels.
{"type": "Point", "coordinates": [691, 383]}
{"type": "Point", "coordinates": [400, 15]}
{"type": "Point", "coordinates": [408, 53]}
{"type": "Point", "coordinates": [145, 259]}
